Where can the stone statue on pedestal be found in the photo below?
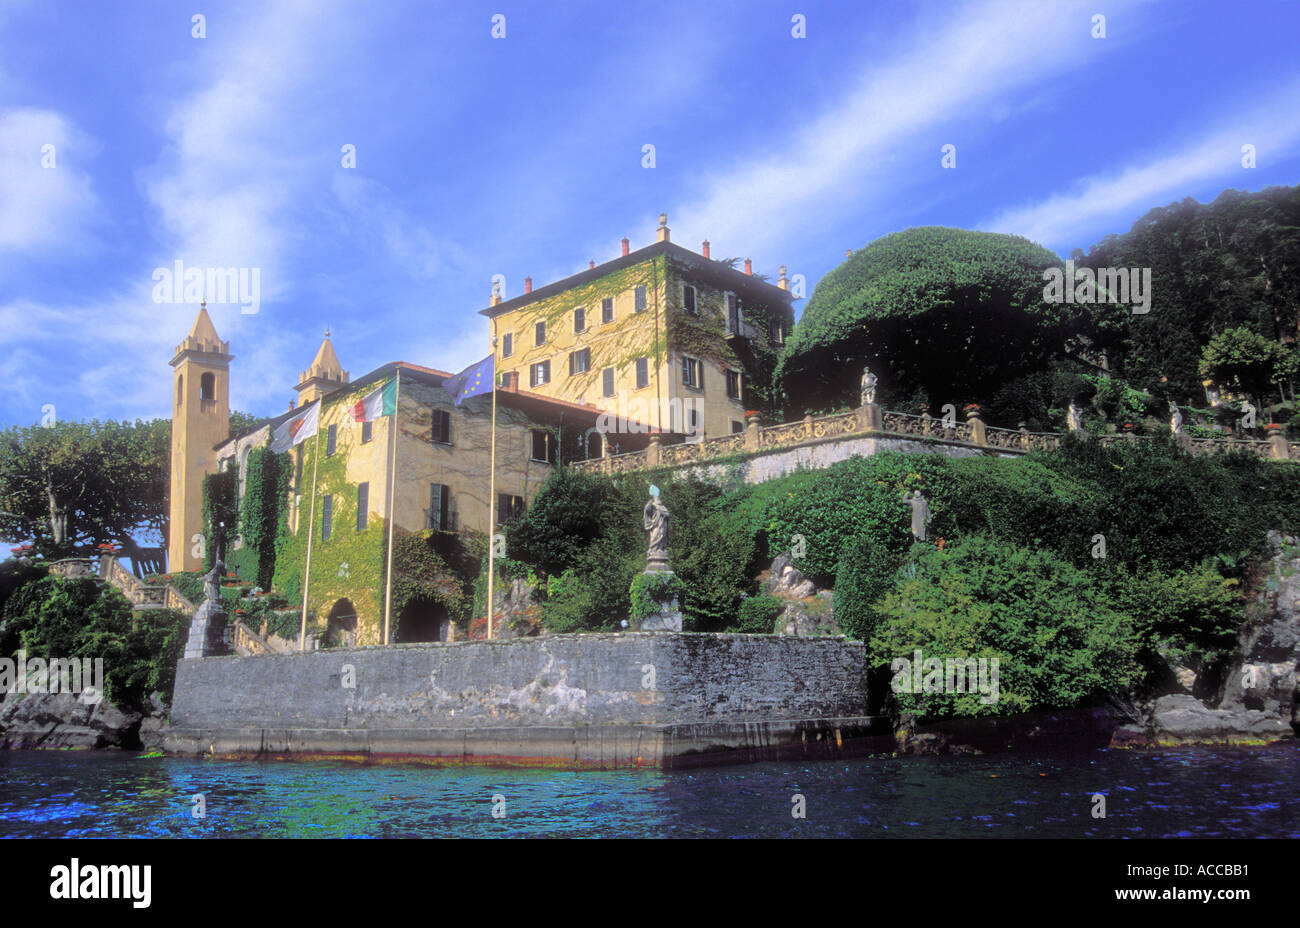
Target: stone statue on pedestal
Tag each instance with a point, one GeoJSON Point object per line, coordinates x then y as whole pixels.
{"type": "Point", "coordinates": [869, 381]}
{"type": "Point", "coordinates": [1175, 418]}
{"type": "Point", "coordinates": [656, 523]}
{"type": "Point", "coordinates": [208, 626]}
{"type": "Point", "coordinates": [1074, 418]}
{"type": "Point", "coordinates": [669, 616]}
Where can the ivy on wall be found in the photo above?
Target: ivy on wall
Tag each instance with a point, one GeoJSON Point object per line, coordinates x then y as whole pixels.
{"type": "Point", "coordinates": [220, 512]}
{"type": "Point", "coordinates": [266, 486]}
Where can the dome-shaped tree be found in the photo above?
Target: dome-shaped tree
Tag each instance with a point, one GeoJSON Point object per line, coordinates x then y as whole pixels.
{"type": "Point", "coordinates": [950, 313]}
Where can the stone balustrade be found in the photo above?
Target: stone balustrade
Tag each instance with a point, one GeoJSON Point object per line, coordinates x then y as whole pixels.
{"type": "Point", "coordinates": [871, 420]}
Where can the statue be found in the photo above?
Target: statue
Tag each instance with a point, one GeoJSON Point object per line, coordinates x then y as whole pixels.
{"type": "Point", "coordinates": [212, 583]}
{"type": "Point", "coordinates": [209, 628]}
{"type": "Point", "coordinates": [869, 381]}
{"type": "Point", "coordinates": [656, 523]}
{"type": "Point", "coordinates": [1074, 418]}
{"type": "Point", "coordinates": [920, 514]}
{"type": "Point", "coordinates": [1175, 418]}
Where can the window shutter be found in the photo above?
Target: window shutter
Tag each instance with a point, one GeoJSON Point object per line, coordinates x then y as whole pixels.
{"type": "Point", "coordinates": [608, 377]}
{"type": "Point", "coordinates": [327, 517]}
{"type": "Point", "coordinates": [363, 505]}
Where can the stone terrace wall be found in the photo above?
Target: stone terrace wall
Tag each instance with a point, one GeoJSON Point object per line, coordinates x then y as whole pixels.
{"type": "Point", "coordinates": [602, 679]}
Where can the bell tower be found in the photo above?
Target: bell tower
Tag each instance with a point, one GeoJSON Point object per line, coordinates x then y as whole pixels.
{"type": "Point", "coordinates": [200, 421]}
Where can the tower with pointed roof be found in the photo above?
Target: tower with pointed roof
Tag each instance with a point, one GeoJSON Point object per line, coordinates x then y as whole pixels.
{"type": "Point", "coordinates": [200, 421]}
{"type": "Point", "coordinates": [325, 375]}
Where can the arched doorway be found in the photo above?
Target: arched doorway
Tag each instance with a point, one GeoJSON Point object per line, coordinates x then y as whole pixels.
{"type": "Point", "coordinates": [422, 620]}
{"type": "Point", "coordinates": [341, 627]}
{"type": "Point", "coordinates": [595, 447]}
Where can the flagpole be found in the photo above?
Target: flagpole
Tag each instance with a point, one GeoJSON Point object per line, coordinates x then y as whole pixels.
{"type": "Point", "coordinates": [392, 515]}
{"type": "Point", "coordinates": [311, 522]}
{"type": "Point", "coordinates": [492, 487]}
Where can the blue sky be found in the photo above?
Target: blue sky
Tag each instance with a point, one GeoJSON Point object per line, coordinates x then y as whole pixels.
{"type": "Point", "coordinates": [522, 156]}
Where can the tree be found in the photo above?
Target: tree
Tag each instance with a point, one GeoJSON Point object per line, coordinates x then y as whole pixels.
{"type": "Point", "coordinates": [947, 314]}
{"type": "Point", "coordinates": [1246, 363]}
{"type": "Point", "coordinates": [72, 485]}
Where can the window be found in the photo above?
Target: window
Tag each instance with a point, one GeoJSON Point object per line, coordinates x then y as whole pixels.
{"type": "Point", "coordinates": [539, 373]}
{"type": "Point", "coordinates": [507, 344]}
{"type": "Point", "coordinates": [297, 472]}
{"type": "Point", "coordinates": [693, 373]}
{"type": "Point", "coordinates": [441, 429]}
{"type": "Point", "coordinates": [180, 389]}
{"type": "Point", "coordinates": [363, 505]}
{"type": "Point", "coordinates": [327, 517]}
{"type": "Point", "coordinates": [640, 299]}
{"type": "Point", "coordinates": [208, 387]}
{"type": "Point", "coordinates": [733, 385]}
{"type": "Point", "coordinates": [777, 332]}
{"type": "Point", "coordinates": [688, 299]}
{"type": "Point", "coordinates": [543, 446]}
{"type": "Point", "coordinates": [607, 309]}
{"type": "Point", "coordinates": [737, 426]}
{"type": "Point", "coordinates": [733, 314]}
{"type": "Point", "coordinates": [539, 334]}
{"type": "Point", "coordinates": [508, 507]}
{"type": "Point", "coordinates": [607, 381]}
{"type": "Point", "coordinates": [579, 361]}
{"type": "Point", "coordinates": [331, 440]}
{"type": "Point", "coordinates": [579, 319]}
{"type": "Point", "coordinates": [693, 420]}
{"type": "Point", "coordinates": [439, 500]}
{"type": "Point", "coordinates": [367, 431]}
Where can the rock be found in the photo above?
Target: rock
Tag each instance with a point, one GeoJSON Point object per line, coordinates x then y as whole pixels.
{"type": "Point", "coordinates": [1181, 718]}
{"type": "Point", "coordinates": [809, 620]}
{"type": "Point", "coordinates": [61, 720]}
{"type": "Point", "coordinates": [786, 580]}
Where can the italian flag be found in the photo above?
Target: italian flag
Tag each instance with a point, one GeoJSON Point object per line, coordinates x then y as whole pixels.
{"type": "Point", "coordinates": [381, 401]}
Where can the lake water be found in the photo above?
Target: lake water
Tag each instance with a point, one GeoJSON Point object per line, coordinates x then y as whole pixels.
{"type": "Point", "coordinates": [1206, 792]}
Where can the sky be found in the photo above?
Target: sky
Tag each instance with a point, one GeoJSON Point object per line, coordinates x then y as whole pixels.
{"type": "Point", "coordinates": [376, 164]}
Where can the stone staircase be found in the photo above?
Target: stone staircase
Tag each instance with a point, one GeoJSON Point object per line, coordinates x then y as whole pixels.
{"type": "Point", "coordinates": [148, 596]}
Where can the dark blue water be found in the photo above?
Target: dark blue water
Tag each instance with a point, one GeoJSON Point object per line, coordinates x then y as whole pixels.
{"type": "Point", "coordinates": [1210, 792]}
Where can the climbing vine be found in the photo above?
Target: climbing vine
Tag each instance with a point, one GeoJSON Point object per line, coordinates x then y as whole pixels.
{"type": "Point", "coordinates": [220, 512]}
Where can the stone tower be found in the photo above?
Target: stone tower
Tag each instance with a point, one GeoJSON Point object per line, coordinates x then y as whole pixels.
{"type": "Point", "coordinates": [325, 375]}
{"type": "Point", "coordinates": [200, 420]}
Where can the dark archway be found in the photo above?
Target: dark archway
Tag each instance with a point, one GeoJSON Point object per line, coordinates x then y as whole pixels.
{"type": "Point", "coordinates": [341, 628]}
{"type": "Point", "coordinates": [595, 445]}
{"type": "Point", "coordinates": [208, 387]}
{"type": "Point", "coordinates": [422, 620]}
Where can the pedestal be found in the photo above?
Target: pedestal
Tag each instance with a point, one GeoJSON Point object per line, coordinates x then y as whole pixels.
{"type": "Point", "coordinates": [207, 633]}
{"type": "Point", "coordinates": [669, 616]}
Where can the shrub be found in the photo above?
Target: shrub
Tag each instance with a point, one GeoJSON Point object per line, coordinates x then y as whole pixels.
{"type": "Point", "coordinates": [650, 591]}
{"type": "Point", "coordinates": [757, 615]}
{"type": "Point", "coordinates": [866, 573]}
{"type": "Point", "coordinates": [1060, 642]}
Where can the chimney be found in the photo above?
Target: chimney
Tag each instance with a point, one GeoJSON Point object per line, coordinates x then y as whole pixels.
{"type": "Point", "coordinates": [784, 282]}
{"type": "Point", "coordinates": [591, 264]}
{"type": "Point", "coordinates": [848, 252]}
{"type": "Point", "coordinates": [706, 248]}
{"type": "Point", "coordinates": [293, 404]}
{"type": "Point", "coordinates": [749, 267]}
{"type": "Point", "coordinates": [624, 246]}
{"type": "Point", "coordinates": [663, 227]}
{"type": "Point", "coordinates": [528, 285]}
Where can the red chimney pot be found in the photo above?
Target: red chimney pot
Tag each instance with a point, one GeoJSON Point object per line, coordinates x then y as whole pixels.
{"type": "Point", "coordinates": [528, 285]}
{"type": "Point", "coordinates": [706, 248]}
{"type": "Point", "coordinates": [749, 266]}
{"type": "Point", "coordinates": [625, 251]}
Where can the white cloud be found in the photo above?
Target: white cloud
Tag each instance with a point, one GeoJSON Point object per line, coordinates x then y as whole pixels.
{"type": "Point", "coordinates": [43, 207]}
{"type": "Point", "coordinates": [1273, 128]}
{"type": "Point", "coordinates": [832, 163]}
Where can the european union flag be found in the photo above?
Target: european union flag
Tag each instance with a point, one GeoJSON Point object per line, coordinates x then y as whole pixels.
{"type": "Point", "coordinates": [474, 380]}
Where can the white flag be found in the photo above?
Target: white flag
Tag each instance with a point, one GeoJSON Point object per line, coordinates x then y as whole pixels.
{"type": "Point", "coordinates": [297, 429]}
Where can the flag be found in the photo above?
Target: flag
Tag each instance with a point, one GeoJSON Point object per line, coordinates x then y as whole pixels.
{"type": "Point", "coordinates": [297, 429]}
{"type": "Point", "coordinates": [381, 401]}
{"type": "Point", "coordinates": [474, 380]}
